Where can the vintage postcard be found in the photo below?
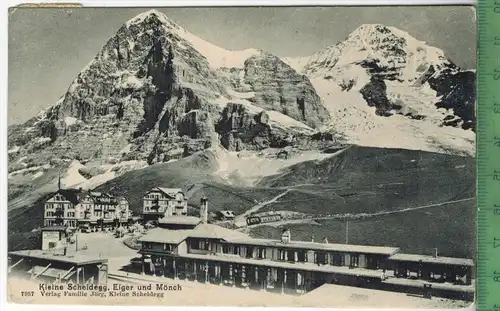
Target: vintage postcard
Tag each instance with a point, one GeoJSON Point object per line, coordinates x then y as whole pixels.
{"type": "Point", "coordinates": [242, 156]}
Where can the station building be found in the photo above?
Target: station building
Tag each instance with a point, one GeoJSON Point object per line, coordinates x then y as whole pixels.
{"type": "Point", "coordinates": [190, 248]}
{"type": "Point", "coordinates": [57, 262]}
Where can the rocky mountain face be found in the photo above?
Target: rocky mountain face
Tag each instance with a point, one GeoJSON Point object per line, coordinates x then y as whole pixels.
{"type": "Point", "coordinates": [394, 81]}
{"type": "Point", "coordinates": [156, 93]}
{"type": "Point", "coordinates": [271, 79]}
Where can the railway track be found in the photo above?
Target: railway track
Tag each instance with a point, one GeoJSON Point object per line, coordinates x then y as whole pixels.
{"type": "Point", "coordinates": [127, 279]}
{"type": "Point", "coordinates": [354, 216]}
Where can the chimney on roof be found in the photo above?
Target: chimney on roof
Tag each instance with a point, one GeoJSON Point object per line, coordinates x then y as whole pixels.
{"type": "Point", "coordinates": [59, 181]}
{"type": "Point", "coordinates": [435, 252]}
{"type": "Point", "coordinates": [286, 236]}
{"type": "Point", "coordinates": [204, 209]}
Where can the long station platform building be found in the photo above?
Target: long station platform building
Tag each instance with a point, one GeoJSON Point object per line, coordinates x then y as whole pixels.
{"type": "Point", "coordinates": [190, 248]}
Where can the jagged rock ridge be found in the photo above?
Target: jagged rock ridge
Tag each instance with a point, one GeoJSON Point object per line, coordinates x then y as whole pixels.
{"type": "Point", "coordinates": [385, 73]}
{"type": "Point", "coordinates": [151, 95]}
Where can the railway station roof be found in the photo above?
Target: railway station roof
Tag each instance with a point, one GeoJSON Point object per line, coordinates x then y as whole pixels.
{"type": "Point", "coordinates": [73, 258]}
{"type": "Point", "coordinates": [433, 259]}
{"type": "Point", "coordinates": [348, 248]}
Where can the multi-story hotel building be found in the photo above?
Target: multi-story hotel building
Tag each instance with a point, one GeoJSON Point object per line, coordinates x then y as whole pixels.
{"type": "Point", "coordinates": [190, 248]}
{"type": "Point", "coordinates": [77, 208]}
{"type": "Point", "coordinates": [164, 202]}
{"type": "Point", "coordinates": [61, 208]}
{"type": "Point", "coordinates": [98, 209]}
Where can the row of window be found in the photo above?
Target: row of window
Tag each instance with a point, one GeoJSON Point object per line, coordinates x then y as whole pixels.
{"type": "Point", "coordinates": [51, 206]}
{"type": "Point", "coordinates": [53, 222]}
{"type": "Point", "coordinates": [160, 203]}
{"type": "Point", "coordinates": [58, 206]}
{"type": "Point", "coordinates": [56, 214]}
{"type": "Point", "coordinates": [104, 207]}
{"type": "Point", "coordinates": [156, 196]}
{"type": "Point", "coordinates": [111, 210]}
{"type": "Point", "coordinates": [166, 247]}
{"type": "Point", "coordinates": [154, 209]}
{"type": "Point", "coordinates": [179, 210]}
{"type": "Point", "coordinates": [85, 214]}
{"type": "Point", "coordinates": [334, 259]}
{"type": "Point", "coordinates": [59, 197]}
{"type": "Point", "coordinates": [163, 203]}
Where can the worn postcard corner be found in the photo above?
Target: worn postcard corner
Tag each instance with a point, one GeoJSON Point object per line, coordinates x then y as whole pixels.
{"type": "Point", "coordinates": [48, 5]}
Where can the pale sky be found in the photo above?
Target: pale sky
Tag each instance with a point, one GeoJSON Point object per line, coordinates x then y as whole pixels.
{"type": "Point", "coordinates": [49, 47]}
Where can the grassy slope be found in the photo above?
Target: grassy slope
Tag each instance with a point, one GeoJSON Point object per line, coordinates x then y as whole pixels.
{"type": "Point", "coordinates": [180, 174]}
{"type": "Point", "coordinates": [133, 185]}
{"type": "Point", "coordinates": [449, 228]}
{"type": "Point", "coordinates": [225, 197]}
{"type": "Point", "coordinates": [372, 179]}
{"type": "Point", "coordinates": [357, 180]}
{"type": "Point", "coordinates": [193, 174]}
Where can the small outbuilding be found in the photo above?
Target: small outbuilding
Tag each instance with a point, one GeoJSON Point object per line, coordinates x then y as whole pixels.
{"type": "Point", "coordinates": [226, 215]}
{"type": "Point", "coordinates": [60, 267]}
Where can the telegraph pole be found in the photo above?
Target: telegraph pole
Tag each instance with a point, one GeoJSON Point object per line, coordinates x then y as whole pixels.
{"type": "Point", "coordinates": [347, 231]}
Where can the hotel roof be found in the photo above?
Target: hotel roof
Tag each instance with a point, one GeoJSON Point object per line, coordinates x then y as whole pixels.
{"type": "Point", "coordinates": [162, 235]}
{"type": "Point", "coordinates": [168, 191]}
{"type": "Point", "coordinates": [73, 258]}
{"type": "Point", "coordinates": [433, 260]}
{"type": "Point", "coordinates": [103, 198]}
{"type": "Point", "coordinates": [72, 195]}
{"type": "Point", "coordinates": [227, 213]}
{"type": "Point", "coordinates": [364, 249]}
{"type": "Point", "coordinates": [180, 220]}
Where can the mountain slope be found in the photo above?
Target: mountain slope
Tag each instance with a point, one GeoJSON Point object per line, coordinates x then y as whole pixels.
{"type": "Point", "coordinates": [355, 181]}
{"type": "Point", "coordinates": [361, 181]}
{"type": "Point", "coordinates": [155, 93]}
{"type": "Point", "coordinates": [385, 88]}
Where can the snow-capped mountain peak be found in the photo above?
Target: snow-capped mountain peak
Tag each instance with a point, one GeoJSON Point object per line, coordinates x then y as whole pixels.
{"type": "Point", "coordinates": [216, 56]}
{"type": "Point", "coordinates": [387, 48]}
{"type": "Point", "coordinates": [382, 82]}
{"type": "Point", "coordinates": [153, 13]}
